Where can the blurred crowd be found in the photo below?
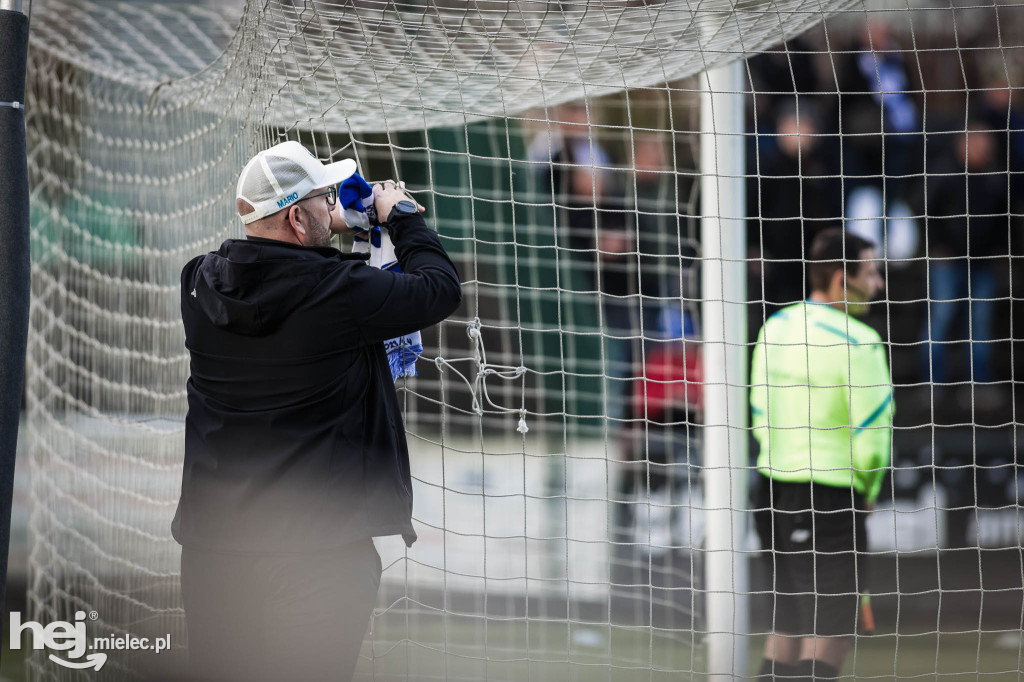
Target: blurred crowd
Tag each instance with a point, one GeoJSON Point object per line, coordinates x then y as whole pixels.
{"type": "Point", "coordinates": [934, 183]}
{"type": "Point", "coordinates": [851, 136]}
{"type": "Point", "coordinates": [848, 136]}
{"type": "Point", "coordinates": [631, 248]}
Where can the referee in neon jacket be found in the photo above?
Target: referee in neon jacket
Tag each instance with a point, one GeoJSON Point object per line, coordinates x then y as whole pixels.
{"type": "Point", "coordinates": [821, 399]}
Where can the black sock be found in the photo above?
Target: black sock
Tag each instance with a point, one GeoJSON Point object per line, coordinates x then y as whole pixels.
{"type": "Point", "coordinates": [774, 670]}
{"type": "Point", "coordinates": [809, 670]}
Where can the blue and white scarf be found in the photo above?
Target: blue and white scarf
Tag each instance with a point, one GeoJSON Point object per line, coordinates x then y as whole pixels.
{"type": "Point", "coordinates": [887, 75]}
{"type": "Point", "coordinates": [355, 195]}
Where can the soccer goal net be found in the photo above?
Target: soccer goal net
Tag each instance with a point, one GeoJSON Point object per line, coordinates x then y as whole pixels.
{"type": "Point", "coordinates": [629, 189]}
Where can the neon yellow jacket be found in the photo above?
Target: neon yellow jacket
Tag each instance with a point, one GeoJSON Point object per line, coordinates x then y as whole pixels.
{"type": "Point", "coordinates": [821, 399]}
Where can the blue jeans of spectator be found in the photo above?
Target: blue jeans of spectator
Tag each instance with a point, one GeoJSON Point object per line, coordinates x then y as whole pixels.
{"type": "Point", "coordinates": [951, 284]}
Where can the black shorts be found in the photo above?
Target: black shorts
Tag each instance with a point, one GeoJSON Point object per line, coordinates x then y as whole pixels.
{"type": "Point", "coordinates": [261, 616]}
{"type": "Point", "coordinates": [816, 554]}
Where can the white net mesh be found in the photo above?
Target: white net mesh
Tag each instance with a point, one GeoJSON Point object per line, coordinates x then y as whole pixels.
{"type": "Point", "coordinates": [556, 425]}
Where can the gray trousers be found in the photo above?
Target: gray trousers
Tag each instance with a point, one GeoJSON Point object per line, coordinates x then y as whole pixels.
{"type": "Point", "coordinates": [262, 616]}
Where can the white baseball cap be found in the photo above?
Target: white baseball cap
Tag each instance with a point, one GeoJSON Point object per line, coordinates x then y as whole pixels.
{"type": "Point", "coordinates": [277, 177]}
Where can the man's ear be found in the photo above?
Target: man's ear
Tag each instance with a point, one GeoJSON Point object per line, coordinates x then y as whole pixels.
{"type": "Point", "coordinates": [296, 218]}
{"type": "Point", "coordinates": [839, 280]}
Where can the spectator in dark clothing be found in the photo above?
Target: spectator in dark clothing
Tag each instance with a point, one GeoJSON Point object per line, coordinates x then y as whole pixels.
{"type": "Point", "coordinates": [1002, 115]}
{"type": "Point", "coordinates": [776, 76]}
{"type": "Point", "coordinates": [967, 235]}
{"type": "Point", "coordinates": [881, 143]}
{"type": "Point", "coordinates": [660, 446]}
{"type": "Point", "coordinates": [593, 225]}
{"type": "Point", "coordinates": [666, 256]}
{"type": "Point", "coordinates": [793, 196]}
{"type": "Point", "coordinates": [577, 174]}
{"type": "Point", "coordinates": [784, 70]}
{"type": "Point", "coordinates": [880, 121]}
{"type": "Point", "coordinates": [614, 246]}
{"type": "Point", "coordinates": [295, 452]}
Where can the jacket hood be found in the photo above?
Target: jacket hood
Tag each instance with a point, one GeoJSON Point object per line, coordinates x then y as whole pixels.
{"type": "Point", "coordinates": [249, 286]}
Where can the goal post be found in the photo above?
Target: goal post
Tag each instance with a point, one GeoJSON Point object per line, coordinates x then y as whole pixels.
{"type": "Point", "coordinates": [724, 280]}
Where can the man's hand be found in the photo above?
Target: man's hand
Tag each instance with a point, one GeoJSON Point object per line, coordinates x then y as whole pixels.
{"type": "Point", "coordinates": [389, 193]}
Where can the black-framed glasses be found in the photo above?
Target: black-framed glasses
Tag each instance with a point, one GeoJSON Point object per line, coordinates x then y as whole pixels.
{"type": "Point", "coordinates": [331, 194]}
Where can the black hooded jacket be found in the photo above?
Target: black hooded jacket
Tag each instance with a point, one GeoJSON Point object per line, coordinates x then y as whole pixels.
{"type": "Point", "coordinates": [294, 440]}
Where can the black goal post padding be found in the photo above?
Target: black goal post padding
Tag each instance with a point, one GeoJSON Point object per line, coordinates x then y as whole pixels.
{"type": "Point", "coordinates": [14, 263]}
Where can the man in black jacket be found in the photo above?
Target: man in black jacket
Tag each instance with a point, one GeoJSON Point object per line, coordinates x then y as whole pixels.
{"type": "Point", "coordinates": [295, 451]}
